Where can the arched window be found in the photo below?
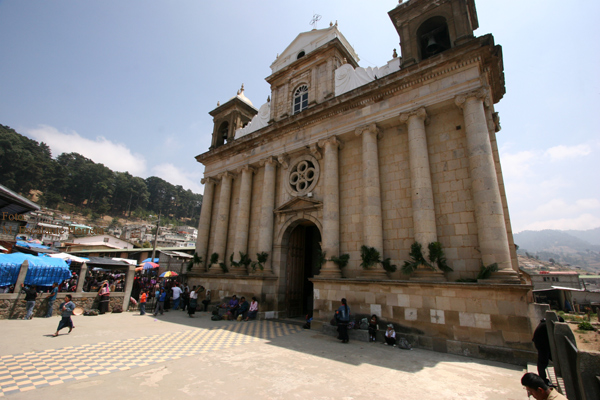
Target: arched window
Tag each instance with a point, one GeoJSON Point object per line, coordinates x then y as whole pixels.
{"type": "Point", "coordinates": [300, 55]}
{"type": "Point", "coordinates": [433, 37]}
{"type": "Point", "coordinates": [300, 99]}
{"type": "Point", "coordinates": [222, 134]}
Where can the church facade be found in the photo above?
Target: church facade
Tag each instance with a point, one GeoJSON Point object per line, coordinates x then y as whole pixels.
{"type": "Point", "coordinates": [349, 181]}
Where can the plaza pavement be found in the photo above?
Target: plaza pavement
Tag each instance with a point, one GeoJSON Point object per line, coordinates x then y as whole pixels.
{"type": "Point", "coordinates": [125, 356]}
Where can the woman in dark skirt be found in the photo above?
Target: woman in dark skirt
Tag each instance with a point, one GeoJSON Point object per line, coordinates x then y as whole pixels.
{"type": "Point", "coordinates": [193, 302]}
{"type": "Point", "coordinates": [104, 294]}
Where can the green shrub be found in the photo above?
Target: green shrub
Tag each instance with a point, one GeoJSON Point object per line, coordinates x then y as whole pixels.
{"type": "Point", "coordinates": [585, 326]}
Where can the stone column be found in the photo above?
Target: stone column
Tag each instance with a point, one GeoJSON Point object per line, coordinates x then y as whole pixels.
{"type": "Point", "coordinates": [423, 209]}
{"type": "Point", "coordinates": [243, 217]}
{"type": "Point", "coordinates": [128, 286]}
{"type": "Point", "coordinates": [81, 280]}
{"type": "Point", "coordinates": [331, 206]}
{"type": "Point", "coordinates": [489, 215]}
{"type": "Point", "coordinates": [265, 233]}
{"type": "Point", "coordinates": [220, 241]}
{"type": "Point", "coordinates": [204, 223]}
{"type": "Point", "coordinates": [372, 221]}
{"type": "Point", "coordinates": [21, 277]}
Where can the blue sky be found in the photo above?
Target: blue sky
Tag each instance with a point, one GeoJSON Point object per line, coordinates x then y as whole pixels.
{"type": "Point", "coordinates": [130, 84]}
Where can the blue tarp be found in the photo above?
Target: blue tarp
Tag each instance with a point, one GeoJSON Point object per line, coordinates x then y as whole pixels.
{"type": "Point", "coordinates": [43, 271]}
{"type": "Point", "coordinates": [30, 245]}
{"type": "Point", "coordinates": [150, 260]}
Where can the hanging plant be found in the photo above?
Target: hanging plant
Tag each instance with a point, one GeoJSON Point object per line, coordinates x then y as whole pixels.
{"type": "Point", "coordinates": [261, 259]}
{"type": "Point", "coordinates": [214, 258]}
{"type": "Point", "coordinates": [321, 257]}
{"type": "Point", "coordinates": [195, 260]}
{"type": "Point", "coordinates": [342, 260]}
{"type": "Point", "coordinates": [370, 257]}
{"type": "Point", "coordinates": [388, 266]}
{"type": "Point", "coordinates": [436, 255]}
{"type": "Point", "coordinates": [486, 272]}
{"type": "Point", "coordinates": [416, 259]}
{"type": "Point", "coordinates": [243, 263]}
{"type": "Point", "coordinates": [224, 267]}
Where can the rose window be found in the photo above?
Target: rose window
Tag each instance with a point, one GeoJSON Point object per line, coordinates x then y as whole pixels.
{"type": "Point", "coordinates": [303, 175]}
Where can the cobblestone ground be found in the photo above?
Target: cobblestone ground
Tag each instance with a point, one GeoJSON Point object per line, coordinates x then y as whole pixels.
{"type": "Point", "coordinates": [120, 356]}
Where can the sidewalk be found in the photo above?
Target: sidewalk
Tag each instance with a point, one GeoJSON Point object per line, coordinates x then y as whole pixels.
{"type": "Point", "coordinates": [122, 356]}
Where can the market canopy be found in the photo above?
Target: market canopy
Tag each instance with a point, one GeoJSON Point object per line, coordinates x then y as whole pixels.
{"type": "Point", "coordinates": [150, 260]}
{"type": "Point", "coordinates": [66, 256]}
{"type": "Point", "coordinates": [43, 271]}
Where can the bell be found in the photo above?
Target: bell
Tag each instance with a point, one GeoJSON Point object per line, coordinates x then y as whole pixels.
{"type": "Point", "coordinates": [432, 46]}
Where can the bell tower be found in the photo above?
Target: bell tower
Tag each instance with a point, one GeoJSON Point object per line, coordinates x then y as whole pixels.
{"type": "Point", "coordinates": [430, 27]}
{"type": "Point", "coordinates": [236, 113]}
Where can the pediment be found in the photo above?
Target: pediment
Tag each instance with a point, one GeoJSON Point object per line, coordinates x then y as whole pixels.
{"type": "Point", "coordinates": [298, 204]}
{"type": "Point", "coordinates": [308, 42]}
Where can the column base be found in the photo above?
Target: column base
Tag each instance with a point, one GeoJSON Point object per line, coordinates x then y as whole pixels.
{"type": "Point", "coordinates": [427, 275]}
{"type": "Point", "coordinates": [215, 269]}
{"type": "Point", "coordinates": [377, 273]}
{"type": "Point", "coordinates": [330, 273]}
{"type": "Point", "coordinates": [509, 276]}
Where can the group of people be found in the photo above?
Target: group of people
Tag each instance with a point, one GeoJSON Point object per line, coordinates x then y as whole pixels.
{"type": "Point", "coordinates": [181, 296]}
{"type": "Point", "coordinates": [241, 310]}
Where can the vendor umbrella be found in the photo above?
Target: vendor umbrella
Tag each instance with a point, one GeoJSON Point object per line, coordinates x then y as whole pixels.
{"type": "Point", "coordinates": [168, 274]}
{"type": "Point", "coordinates": [149, 265]}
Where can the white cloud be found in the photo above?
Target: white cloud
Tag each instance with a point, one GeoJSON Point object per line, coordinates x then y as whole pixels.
{"type": "Point", "coordinates": [561, 152]}
{"type": "Point", "coordinates": [582, 222]}
{"type": "Point", "coordinates": [561, 207]}
{"type": "Point", "coordinates": [115, 156]}
{"type": "Point", "coordinates": [175, 176]}
{"type": "Point", "coordinates": [518, 165]}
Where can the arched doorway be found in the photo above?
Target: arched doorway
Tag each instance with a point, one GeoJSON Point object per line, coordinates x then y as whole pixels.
{"type": "Point", "coordinates": [302, 263]}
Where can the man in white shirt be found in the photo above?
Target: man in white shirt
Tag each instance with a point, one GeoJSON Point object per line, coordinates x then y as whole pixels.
{"type": "Point", "coordinates": [176, 296]}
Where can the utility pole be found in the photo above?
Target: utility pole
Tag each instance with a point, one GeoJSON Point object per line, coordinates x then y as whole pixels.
{"type": "Point", "coordinates": [155, 238]}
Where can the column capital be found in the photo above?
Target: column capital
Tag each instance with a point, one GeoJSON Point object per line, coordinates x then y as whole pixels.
{"type": "Point", "coordinates": [370, 128]}
{"type": "Point", "coordinates": [226, 175]}
{"type": "Point", "coordinates": [246, 167]}
{"type": "Point", "coordinates": [480, 93]}
{"type": "Point", "coordinates": [314, 149]}
{"type": "Point", "coordinates": [420, 113]}
{"type": "Point", "coordinates": [268, 160]}
{"type": "Point", "coordinates": [208, 179]}
{"type": "Point", "coordinates": [332, 140]}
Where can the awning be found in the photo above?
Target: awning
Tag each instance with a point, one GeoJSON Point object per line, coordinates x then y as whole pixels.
{"type": "Point", "coordinates": [43, 271]}
{"type": "Point", "coordinates": [65, 256]}
{"type": "Point", "coordinates": [105, 262]}
{"type": "Point", "coordinates": [176, 254]}
{"type": "Point", "coordinates": [559, 288]}
{"type": "Point", "coordinates": [149, 260]}
{"type": "Point", "coordinates": [127, 260]}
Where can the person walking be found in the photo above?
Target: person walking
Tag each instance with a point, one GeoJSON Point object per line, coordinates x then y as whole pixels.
{"type": "Point", "coordinates": [66, 309]}
{"type": "Point", "coordinates": [206, 300]}
{"type": "Point", "coordinates": [52, 299]}
{"type": "Point", "coordinates": [30, 296]}
{"type": "Point", "coordinates": [176, 296]}
{"type": "Point", "coordinates": [343, 317]}
{"type": "Point", "coordinates": [160, 306]}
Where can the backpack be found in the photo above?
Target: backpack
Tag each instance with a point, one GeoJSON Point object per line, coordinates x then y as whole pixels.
{"type": "Point", "coordinates": [404, 344]}
{"type": "Point", "coordinates": [216, 318]}
{"type": "Point", "coordinates": [364, 324]}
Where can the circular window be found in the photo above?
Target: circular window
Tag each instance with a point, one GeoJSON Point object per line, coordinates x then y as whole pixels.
{"type": "Point", "coordinates": [303, 175]}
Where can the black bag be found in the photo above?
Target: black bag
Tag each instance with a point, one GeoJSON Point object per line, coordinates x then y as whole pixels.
{"type": "Point", "coordinates": [216, 318]}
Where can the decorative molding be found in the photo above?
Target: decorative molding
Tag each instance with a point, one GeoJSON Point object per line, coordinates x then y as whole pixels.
{"type": "Point", "coordinates": [283, 160]}
{"type": "Point", "coordinates": [315, 151]}
{"type": "Point", "coordinates": [226, 174]}
{"type": "Point", "coordinates": [371, 128]}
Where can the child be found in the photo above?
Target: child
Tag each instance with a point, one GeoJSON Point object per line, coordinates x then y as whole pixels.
{"type": "Point", "coordinates": [373, 328]}
{"type": "Point", "coordinates": [143, 300]}
{"type": "Point", "coordinates": [390, 336]}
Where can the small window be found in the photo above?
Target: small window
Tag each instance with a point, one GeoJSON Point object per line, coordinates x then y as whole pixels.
{"type": "Point", "coordinates": [300, 99]}
{"type": "Point", "coordinates": [300, 55]}
{"type": "Point", "coordinates": [105, 240]}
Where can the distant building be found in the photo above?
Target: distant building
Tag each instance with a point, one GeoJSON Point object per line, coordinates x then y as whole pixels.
{"type": "Point", "coordinates": [547, 279]}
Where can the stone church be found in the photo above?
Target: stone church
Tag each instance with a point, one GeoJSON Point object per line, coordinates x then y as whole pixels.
{"type": "Point", "coordinates": [317, 194]}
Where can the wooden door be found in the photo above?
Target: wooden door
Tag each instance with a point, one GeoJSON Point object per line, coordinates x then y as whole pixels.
{"type": "Point", "coordinates": [295, 272]}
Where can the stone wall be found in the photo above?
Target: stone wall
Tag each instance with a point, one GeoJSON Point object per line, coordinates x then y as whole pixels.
{"type": "Point", "coordinates": [13, 305]}
{"type": "Point", "coordinates": [488, 321]}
